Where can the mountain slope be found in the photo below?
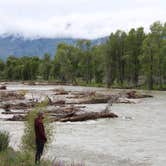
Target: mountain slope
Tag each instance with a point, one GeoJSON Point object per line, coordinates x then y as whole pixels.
{"type": "Point", "coordinates": [19, 46]}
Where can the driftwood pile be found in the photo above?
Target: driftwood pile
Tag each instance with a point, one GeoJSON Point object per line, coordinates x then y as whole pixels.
{"type": "Point", "coordinates": [68, 106]}
{"type": "Point", "coordinates": [65, 114]}
{"type": "Point", "coordinates": [11, 95]}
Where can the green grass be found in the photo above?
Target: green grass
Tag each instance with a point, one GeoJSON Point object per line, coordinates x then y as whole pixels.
{"type": "Point", "coordinates": [4, 141]}
{"type": "Point", "coordinates": [9, 157]}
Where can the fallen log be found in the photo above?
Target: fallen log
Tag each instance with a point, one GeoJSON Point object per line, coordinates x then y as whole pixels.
{"type": "Point", "coordinates": [92, 100]}
{"type": "Point", "coordinates": [5, 96]}
{"type": "Point", "coordinates": [88, 116]}
{"type": "Point", "coordinates": [13, 113]}
{"type": "Point", "coordinates": [64, 110]}
{"type": "Point", "coordinates": [17, 118]}
{"type": "Point", "coordinates": [82, 94]}
{"type": "Point", "coordinates": [3, 87]}
{"type": "Point", "coordinates": [61, 92]}
{"type": "Point", "coordinates": [135, 95]}
{"type": "Point", "coordinates": [19, 106]}
{"type": "Point", "coordinates": [60, 116]}
{"type": "Point", "coordinates": [125, 101]}
{"type": "Point", "coordinates": [59, 102]}
{"type": "Point", "coordinates": [29, 83]}
{"type": "Point", "coordinates": [96, 100]}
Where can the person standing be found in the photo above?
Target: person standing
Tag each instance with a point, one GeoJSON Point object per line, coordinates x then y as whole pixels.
{"type": "Point", "coordinates": [40, 136]}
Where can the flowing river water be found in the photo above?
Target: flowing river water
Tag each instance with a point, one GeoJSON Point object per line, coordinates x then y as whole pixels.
{"type": "Point", "coordinates": [136, 138]}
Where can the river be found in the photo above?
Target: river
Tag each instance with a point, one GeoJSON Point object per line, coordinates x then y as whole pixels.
{"type": "Point", "coordinates": [136, 138]}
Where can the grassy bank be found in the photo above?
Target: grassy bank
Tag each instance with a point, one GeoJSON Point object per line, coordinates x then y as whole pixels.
{"type": "Point", "coordinates": [9, 157]}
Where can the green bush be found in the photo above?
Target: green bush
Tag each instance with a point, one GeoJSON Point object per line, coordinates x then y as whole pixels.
{"type": "Point", "coordinates": [28, 139]}
{"type": "Point", "coordinates": [4, 140]}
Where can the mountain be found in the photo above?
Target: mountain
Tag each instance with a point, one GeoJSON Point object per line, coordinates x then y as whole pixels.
{"type": "Point", "coordinates": [19, 46]}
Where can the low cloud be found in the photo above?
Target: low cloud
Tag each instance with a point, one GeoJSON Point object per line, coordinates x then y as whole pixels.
{"type": "Point", "coordinates": [74, 23]}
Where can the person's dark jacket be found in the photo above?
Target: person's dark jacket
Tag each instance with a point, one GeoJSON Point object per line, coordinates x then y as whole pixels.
{"type": "Point", "coordinates": [39, 130]}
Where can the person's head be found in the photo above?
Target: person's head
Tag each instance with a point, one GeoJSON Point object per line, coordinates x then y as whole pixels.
{"type": "Point", "coordinates": [40, 115]}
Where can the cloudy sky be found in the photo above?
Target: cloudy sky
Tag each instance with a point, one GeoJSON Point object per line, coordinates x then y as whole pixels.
{"type": "Point", "coordinates": [77, 18]}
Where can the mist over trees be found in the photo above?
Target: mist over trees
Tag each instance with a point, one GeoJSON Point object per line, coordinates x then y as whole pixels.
{"type": "Point", "coordinates": [127, 59]}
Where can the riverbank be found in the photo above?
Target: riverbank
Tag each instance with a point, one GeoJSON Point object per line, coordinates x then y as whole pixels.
{"type": "Point", "coordinates": [10, 157]}
{"type": "Point", "coordinates": [84, 84]}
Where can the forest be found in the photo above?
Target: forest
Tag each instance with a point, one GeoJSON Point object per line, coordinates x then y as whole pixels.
{"type": "Point", "coordinates": [133, 59]}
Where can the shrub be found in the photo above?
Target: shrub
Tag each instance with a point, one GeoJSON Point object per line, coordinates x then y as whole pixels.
{"type": "Point", "coordinates": [4, 141]}
{"type": "Point", "coordinates": [28, 139]}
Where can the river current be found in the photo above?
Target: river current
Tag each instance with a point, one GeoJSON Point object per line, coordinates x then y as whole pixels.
{"type": "Point", "coordinates": [136, 138]}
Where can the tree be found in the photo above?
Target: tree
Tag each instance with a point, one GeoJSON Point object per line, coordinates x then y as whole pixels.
{"type": "Point", "coordinates": [45, 67]}
{"type": "Point", "coordinates": [114, 58]}
{"type": "Point", "coordinates": [2, 67]}
{"type": "Point", "coordinates": [11, 68]}
{"type": "Point", "coordinates": [157, 38]}
{"type": "Point", "coordinates": [148, 60]}
{"type": "Point", "coordinates": [67, 60]}
{"type": "Point", "coordinates": [110, 60]}
{"type": "Point", "coordinates": [135, 40]}
{"type": "Point", "coordinates": [98, 63]}
{"type": "Point", "coordinates": [86, 59]}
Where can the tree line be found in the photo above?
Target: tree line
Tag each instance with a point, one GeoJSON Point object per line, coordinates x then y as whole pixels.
{"type": "Point", "coordinates": [126, 59]}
